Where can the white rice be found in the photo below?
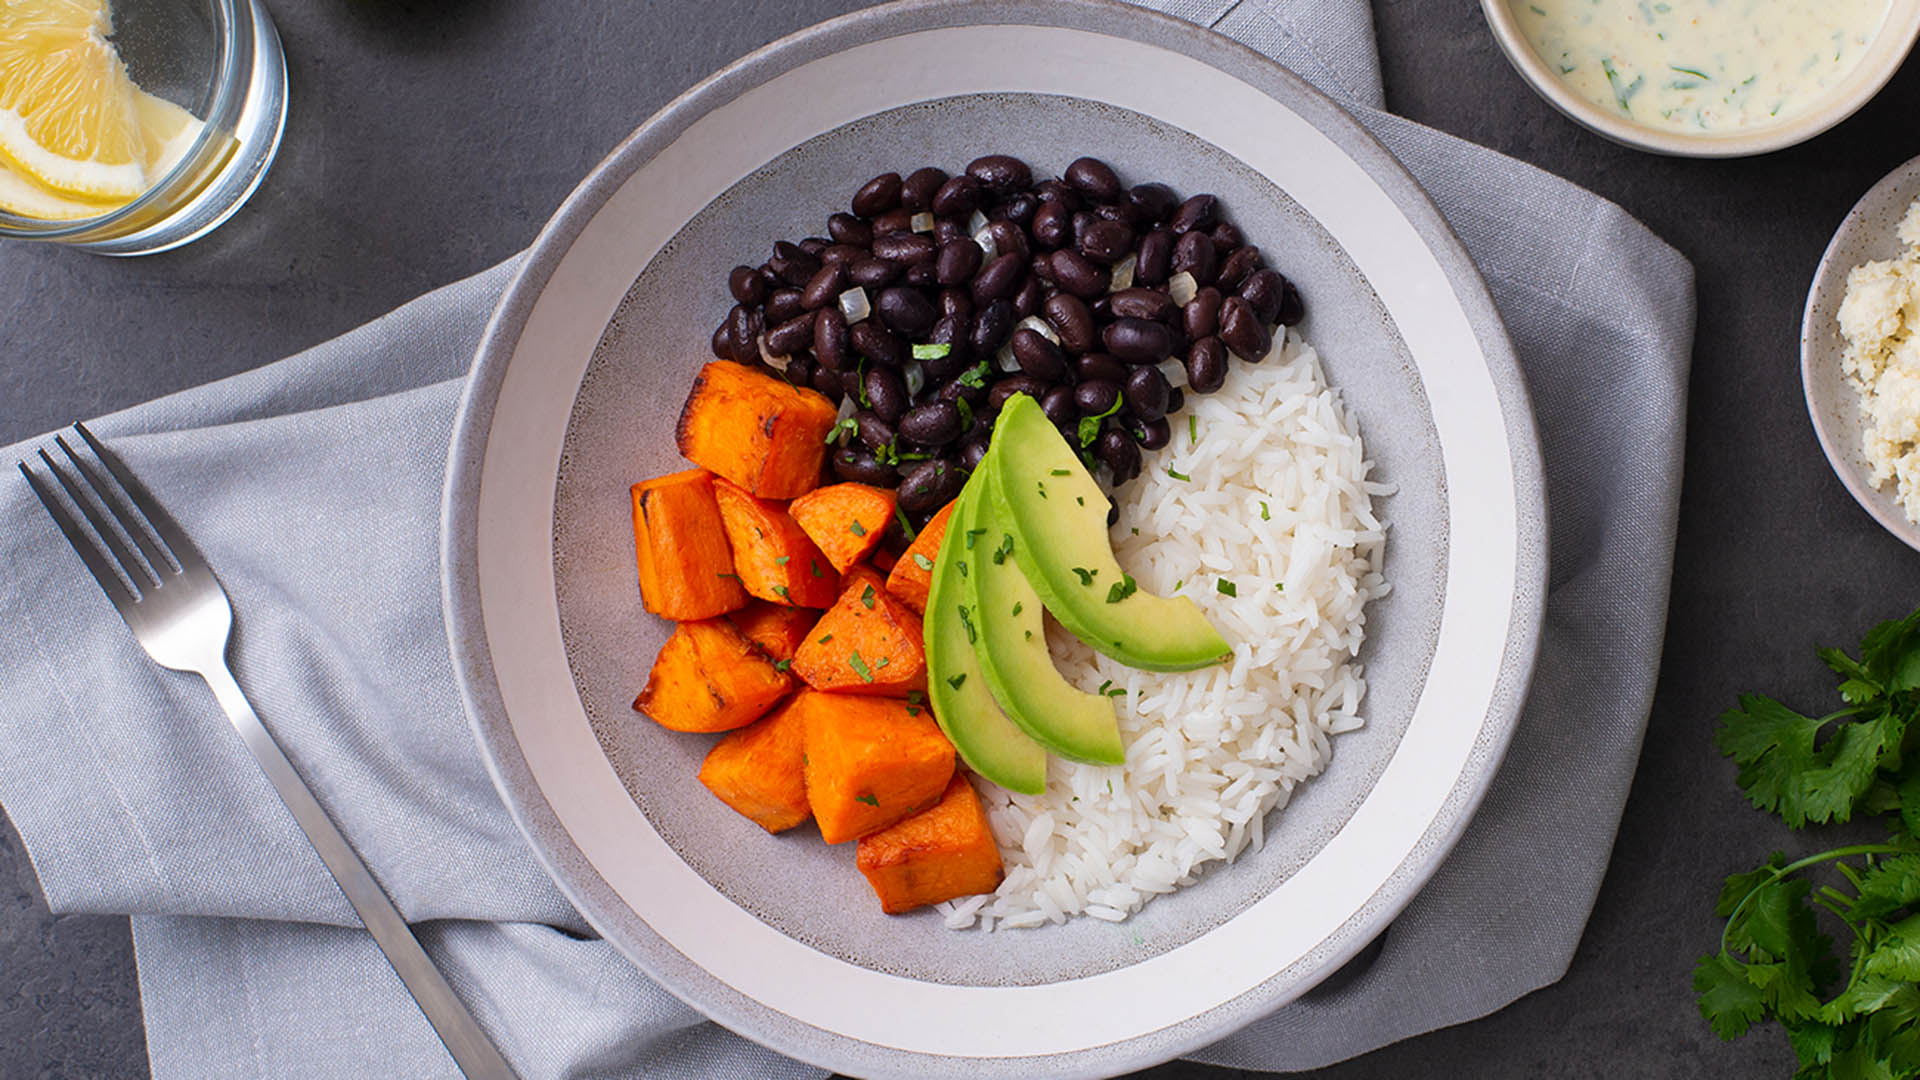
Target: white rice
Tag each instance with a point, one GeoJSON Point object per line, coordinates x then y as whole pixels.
{"type": "Point", "coordinates": [1210, 752]}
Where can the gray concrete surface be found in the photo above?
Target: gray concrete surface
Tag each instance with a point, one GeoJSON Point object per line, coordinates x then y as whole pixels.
{"type": "Point", "coordinates": [429, 139]}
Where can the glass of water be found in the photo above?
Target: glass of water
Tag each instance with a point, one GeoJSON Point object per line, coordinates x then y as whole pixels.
{"type": "Point", "coordinates": [133, 126]}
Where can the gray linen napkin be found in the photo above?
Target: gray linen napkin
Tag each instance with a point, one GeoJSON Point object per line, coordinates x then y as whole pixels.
{"type": "Point", "coordinates": [313, 486]}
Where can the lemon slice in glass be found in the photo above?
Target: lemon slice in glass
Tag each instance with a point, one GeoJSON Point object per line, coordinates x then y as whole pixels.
{"type": "Point", "coordinates": [167, 132]}
{"type": "Point", "coordinates": [68, 114]}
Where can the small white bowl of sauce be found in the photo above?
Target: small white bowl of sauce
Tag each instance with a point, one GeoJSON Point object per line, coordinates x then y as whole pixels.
{"type": "Point", "coordinates": [1706, 78]}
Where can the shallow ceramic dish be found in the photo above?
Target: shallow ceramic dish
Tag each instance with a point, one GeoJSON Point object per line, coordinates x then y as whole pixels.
{"type": "Point", "coordinates": [1866, 234]}
{"type": "Point", "coordinates": [573, 398]}
{"type": "Point", "coordinates": [1883, 58]}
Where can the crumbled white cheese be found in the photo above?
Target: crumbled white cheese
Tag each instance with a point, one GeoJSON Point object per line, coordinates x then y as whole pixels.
{"type": "Point", "coordinates": [1880, 319]}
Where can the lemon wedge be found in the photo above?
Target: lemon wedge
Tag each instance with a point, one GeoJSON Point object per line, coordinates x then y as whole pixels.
{"type": "Point", "coordinates": [68, 113]}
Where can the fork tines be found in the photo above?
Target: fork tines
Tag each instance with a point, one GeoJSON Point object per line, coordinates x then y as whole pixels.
{"type": "Point", "coordinates": [119, 511]}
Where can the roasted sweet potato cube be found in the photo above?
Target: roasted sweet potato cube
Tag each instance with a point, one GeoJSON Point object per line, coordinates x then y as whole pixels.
{"type": "Point", "coordinates": [755, 430]}
{"type": "Point", "coordinates": [771, 553]}
{"type": "Point", "coordinates": [942, 852]}
{"type": "Point", "coordinates": [758, 770]}
{"type": "Point", "coordinates": [686, 564]}
{"type": "Point", "coordinates": [912, 576]}
{"type": "Point", "coordinates": [868, 642]}
{"type": "Point", "coordinates": [870, 762]}
{"type": "Point", "coordinates": [709, 677]}
{"type": "Point", "coordinates": [846, 520]}
{"type": "Point", "coordinates": [776, 628]}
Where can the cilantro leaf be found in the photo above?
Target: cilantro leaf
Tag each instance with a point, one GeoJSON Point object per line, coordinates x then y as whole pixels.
{"type": "Point", "coordinates": [1729, 1002]}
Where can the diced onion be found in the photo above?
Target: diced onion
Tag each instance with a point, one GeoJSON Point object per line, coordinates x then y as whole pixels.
{"type": "Point", "coordinates": [1005, 360]}
{"type": "Point", "coordinates": [853, 304]}
{"type": "Point", "coordinates": [1039, 326]}
{"type": "Point", "coordinates": [915, 377]}
{"type": "Point", "coordinates": [1180, 287]}
{"type": "Point", "coordinates": [977, 224]}
{"type": "Point", "coordinates": [1123, 274]}
{"type": "Point", "coordinates": [921, 222]}
{"type": "Point", "coordinates": [988, 249]}
{"type": "Point", "coordinates": [1175, 371]}
{"type": "Point", "coordinates": [774, 360]}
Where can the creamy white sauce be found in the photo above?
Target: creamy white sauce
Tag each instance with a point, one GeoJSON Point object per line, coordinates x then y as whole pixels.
{"type": "Point", "coordinates": [1701, 65]}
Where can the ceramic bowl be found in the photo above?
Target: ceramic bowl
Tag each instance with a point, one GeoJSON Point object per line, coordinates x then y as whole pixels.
{"type": "Point", "coordinates": [1866, 234]}
{"type": "Point", "coordinates": [1884, 55]}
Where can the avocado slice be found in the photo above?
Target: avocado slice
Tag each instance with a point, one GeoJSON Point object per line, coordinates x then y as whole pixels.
{"type": "Point", "coordinates": [1058, 518]}
{"type": "Point", "coordinates": [1012, 646]}
{"type": "Point", "coordinates": [956, 687]}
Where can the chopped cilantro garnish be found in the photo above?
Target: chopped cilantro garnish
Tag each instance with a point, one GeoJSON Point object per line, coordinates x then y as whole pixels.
{"type": "Point", "coordinates": [870, 799]}
{"type": "Point", "coordinates": [922, 561]}
{"type": "Point", "coordinates": [814, 565]}
{"type": "Point", "coordinates": [937, 351]}
{"type": "Point", "coordinates": [782, 593]}
{"type": "Point", "coordinates": [1193, 427]}
{"type": "Point", "coordinates": [859, 666]}
{"type": "Point", "coordinates": [1089, 427]}
{"type": "Point", "coordinates": [782, 665]}
{"type": "Point", "coordinates": [781, 560]}
{"type": "Point", "coordinates": [1226, 588]}
{"type": "Point", "coordinates": [842, 426]}
{"type": "Point", "coordinates": [1062, 472]}
{"type": "Point", "coordinates": [900, 515]}
{"type": "Point", "coordinates": [1176, 474]}
{"type": "Point", "coordinates": [1041, 488]}
{"type": "Point", "coordinates": [966, 620]}
{"type": "Point", "coordinates": [735, 577]}
{"type": "Point", "coordinates": [956, 680]}
{"type": "Point", "coordinates": [1122, 589]}
{"type": "Point", "coordinates": [975, 377]}
{"type": "Point", "coordinates": [857, 529]}
{"type": "Point", "coordinates": [1085, 575]}
{"type": "Point", "coordinates": [824, 639]}
{"type": "Point", "coordinates": [965, 410]}
{"type": "Point", "coordinates": [916, 697]}
{"type": "Point", "coordinates": [867, 598]}
{"type": "Point", "coordinates": [1265, 514]}
{"type": "Point", "coordinates": [1005, 549]}
{"type": "Point", "coordinates": [971, 534]}
{"type": "Point", "coordinates": [1018, 607]}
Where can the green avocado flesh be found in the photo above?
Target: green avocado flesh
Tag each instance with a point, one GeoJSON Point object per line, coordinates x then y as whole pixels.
{"type": "Point", "coordinates": [1012, 649]}
{"type": "Point", "coordinates": [990, 743]}
{"type": "Point", "coordinates": [1057, 516]}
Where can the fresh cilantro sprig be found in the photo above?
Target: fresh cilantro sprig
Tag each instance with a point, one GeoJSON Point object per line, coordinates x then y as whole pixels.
{"type": "Point", "coordinates": [1860, 1018]}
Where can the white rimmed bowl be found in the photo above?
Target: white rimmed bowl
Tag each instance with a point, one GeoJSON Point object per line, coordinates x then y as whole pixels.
{"type": "Point", "coordinates": [1883, 58]}
{"type": "Point", "coordinates": [573, 396]}
{"type": "Point", "coordinates": [1864, 235]}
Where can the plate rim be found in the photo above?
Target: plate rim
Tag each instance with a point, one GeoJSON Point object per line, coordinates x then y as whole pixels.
{"type": "Point", "coordinates": [466, 632]}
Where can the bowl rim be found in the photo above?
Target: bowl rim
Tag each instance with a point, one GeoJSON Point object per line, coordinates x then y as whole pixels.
{"type": "Point", "coordinates": [1832, 274]}
{"type": "Point", "coordinates": [1899, 30]}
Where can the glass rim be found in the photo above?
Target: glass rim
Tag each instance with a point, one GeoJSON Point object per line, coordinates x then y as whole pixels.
{"type": "Point", "coordinates": [232, 33]}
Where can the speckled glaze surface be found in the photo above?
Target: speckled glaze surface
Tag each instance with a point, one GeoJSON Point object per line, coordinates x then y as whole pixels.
{"type": "Point", "coordinates": [573, 397]}
{"type": "Point", "coordinates": [1866, 234]}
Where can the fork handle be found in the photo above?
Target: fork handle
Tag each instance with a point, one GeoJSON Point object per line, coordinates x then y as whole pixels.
{"type": "Point", "coordinates": [470, 1047]}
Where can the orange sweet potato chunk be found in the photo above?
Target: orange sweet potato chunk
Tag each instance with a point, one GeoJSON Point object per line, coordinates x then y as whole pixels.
{"type": "Point", "coordinates": [709, 677]}
{"type": "Point", "coordinates": [686, 565]}
{"type": "Point", "coordinates": [912, 576]}
{"type": "Point", "coordinates": [758, 770]}
{"type": "Point", "coordinates": [755, 430]}
{"type": "Point", "coordinates": [936, 855]}
{"type": "Point", "coordinates": [846, 520]}
{"type": "Point", "coordinates": [771, 553]}
{"type": "Point", "coordinates": [868, 642]}
{"type": "Point", "coordinates": [870, 762]}
{"type": "Point", "coordinates": [776, 628]}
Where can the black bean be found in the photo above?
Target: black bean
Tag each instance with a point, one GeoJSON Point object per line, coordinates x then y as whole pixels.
{"type": "Point", "coordinates": [1041, 266]}
{"type": "Point", "coordinates": [743, 332]}
{"type": "Point", "coordinates": [1072, 321]}
{"type": "Point", "coordinates": [830, 340]}
{"type": "Point", "coordinates": [767, 277]}
{"type": "Point", "coordinates": [843, 253]}
{"type": "Point", "coordinates": [854, 381]}
{"type": "Point", "coordinates": [956, 301]}
{"type": "Point", "coordinates": [1201, 317]}
{"type": "Point", "coordinates": [972, 451]}
{"type": "Point", "coordinates": [956, 390]}
{"type": "Point", "coordinates": [1195, 213]}
{"type": "Point", "coordinates": [1151, 203]}
{"type": "Point", "coordinates": [1092, 178]}
{"type": "Point", "coordinates": [847, 229]}
{"type": "Point", "coordinates": [1177, 339]}
{"type": "Point", "coordinates": [855, 464]}
{"type": "Point", "coordinates": [825, 287]}
{"type": "Point", "coordinates": [872, 430]}
{"type": "Point", "coordinates": [893, 221]}
{"type": "Point", "coordinates": [1265, 290]}
{"type": "Point", "coordinates": [1176, 400]}
{"type": "Point", "coordinates": [1119, 212]}
{"type": "Point", "coordinates": [877, 344]}
{"type": "Point", "coordinates": [1096, 397]}
{"type": "Point", "coordinates": [792, 336]}
{"type": "Point", "coordinates": [792, 264]}
{"type": "Point", "coordinates": [1106, 241]}
{"type": "Point", "coordinates": [1102, 309]}
{"type": "Point", "coordinates": [745, 284]}
{"type": "Point", "coordinates": [1052, 225]}
{"type": "Point", "coordinates": [1027, 301]}
{"type": "Point", "coordinates": [1015, 384]}
{"type": "Point", "coordinates": [1058, 404]}
{"type": "Point", "coordinates": [916, 191]}
{"type": "Point", "coordinates": [1138, 303]}
{"type": "Point", "coordinates": [784, 304]}
{"type": "Point", "coordinates": [1080, 275]}
{"type": "Point", "coordinates": [1153, 434]}
{"type": "Point", "coordinates": [1020, 208]}
{"type": "Point", "coordinates": [951, 331]}
{"type": "Point", "coordinates": [827, 381]}
{"type": "Point", "coordinates": [1008, 237]}
{"type": "Point", "coordinates": [947, 229]}
{"type": "Point", "coordinates": [1293, 307]}
{"type": "Point", "coordinates": [991, 328]}
{"type": "Point", "coordinates": [1099, 365]}
{"type": "Point", "coordinates": [814, 245]}
{"type": "Point", "coordinates": [1082, 221]}
{"type": "Point", "coordinates": [723, 339]}
{"type": "Point", "coordinates": [877, 196]}
{"type": "Point", "coordinates": [1242, 331]}
{"type": "Point", "coordinates": [905, 248]}
{"type": "Point", "coordinates": [1226, 238]}
{"type": "Point", "coordinates": [922, 275]}
{"type": "Point", "coordinates": [1000, 279]}
{"type": "Point", "coordinates": [1038, 357]}
{"type": "Point", "coordinates": [905, 310]}
{"type": "Point", "coordinates": [1138, 341]}
{"type": "Point", "coordinates": [930, 485]}
{"type": "Point", "coordinates": [936, 423]}
{"type": "Point", "coordinates": [886, 392]}
{"type": "Point", "coordinates": [957, 261]}
{"type": "Point", "coordinates": [1058, 191]}
{"type": "Point", "coordinates": [872, 273]}
{"type": "Point", "coordinates": [1147, 393]}
{"type": "Point", "coordinates": [957, 197]}
{"type": "Point", "coordinates": [1155, 262]}
{"type": "Point", "coordinates": [1000, 173]}
{"type": "Point", "coordinates": [1206, 366]}
{"type": "Point", "coordinates": [1119, 454]}
{"type": "Point", "coordinates": [1194, 254]}
{"type": "Point", "coordinates": [1236, 268]}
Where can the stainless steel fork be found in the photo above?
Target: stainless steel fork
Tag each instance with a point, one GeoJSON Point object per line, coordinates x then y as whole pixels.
{"type": "Point", "coordinates": [180, 614]}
